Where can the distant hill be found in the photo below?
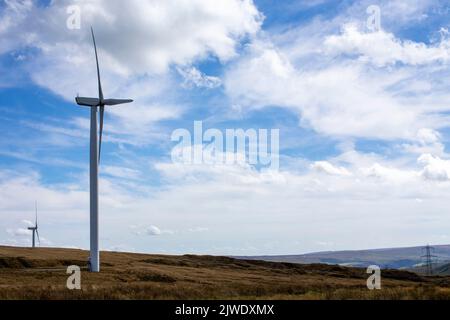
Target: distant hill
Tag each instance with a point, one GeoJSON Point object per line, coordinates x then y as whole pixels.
{"type": "Point", "coordinates": [439, 269]}
{"type": "Point", "coordinates": [395, 258]}
{"type": "Point", "coordinates": [442, 270]}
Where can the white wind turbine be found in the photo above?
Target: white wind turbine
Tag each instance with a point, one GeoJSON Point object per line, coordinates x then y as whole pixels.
{"type": "Point", "coordinates": [96, 104]}
{"type": "Point", "coordinates": [35, 229]}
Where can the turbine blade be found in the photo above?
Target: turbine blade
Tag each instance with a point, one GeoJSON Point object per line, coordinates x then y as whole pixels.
{"type": "Point", "coordinates": [113, 102]}
{"type": "Point", "coordinates": [37, 233]}
{"type": "Point", "coordinates": [100, 91]}
{"type": "Point", "coordinates": [102, 114]}
{"type": "Point", "coordinates": [35, 206]}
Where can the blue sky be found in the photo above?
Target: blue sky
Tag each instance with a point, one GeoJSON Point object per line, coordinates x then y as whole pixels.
{"type": "Point", "coordinates": [362, 114]}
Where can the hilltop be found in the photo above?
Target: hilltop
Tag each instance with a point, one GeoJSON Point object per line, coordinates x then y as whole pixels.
{"type": "Point", "coordinates": [41, 274]}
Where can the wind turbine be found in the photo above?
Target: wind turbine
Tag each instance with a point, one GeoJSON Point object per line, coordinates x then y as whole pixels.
{"type": "Point", "coordinates": [35, 229]}
{"type": "Point", "coordinates": [96, 104]}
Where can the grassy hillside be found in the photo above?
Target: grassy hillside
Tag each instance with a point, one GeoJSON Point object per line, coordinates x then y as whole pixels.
{"type": "Point", "coordinates": [388, 258]}
{"type": "Point", "coordinates": [41, 274]}
{"type": "Point", "coordinates": [438, 269]}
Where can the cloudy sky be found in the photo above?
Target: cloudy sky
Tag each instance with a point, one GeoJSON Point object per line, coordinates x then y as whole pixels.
{"type": "Point", "coordinates": [363, 116]}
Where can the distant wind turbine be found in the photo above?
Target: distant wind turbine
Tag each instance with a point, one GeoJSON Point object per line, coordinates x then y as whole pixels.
{"type": "Point", "coordinates": [35, 229]}
{"type": "Point", "coordinates": [95, 151]}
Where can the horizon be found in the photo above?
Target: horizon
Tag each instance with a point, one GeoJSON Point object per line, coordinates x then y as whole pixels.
{"type": "Point", "coordinates": [238, 256]}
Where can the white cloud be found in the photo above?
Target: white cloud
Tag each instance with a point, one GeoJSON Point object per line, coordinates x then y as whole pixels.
{"type": "Point", "coordinates": [195, 78]}
{"type": "Point", "coordinates": [144, 36]}
{"type": "Point", "coordinates": [382, 48]}
{"type": "Point", "coordinates": [339, 100]}
{"type": "Point", "coordinates": [427, 141]}
{"type": "Point", "coordinates": [426, 136]}
{"type": "Point", "coordinates": [121, 172]}
{"type": "Point", "coordinates": [255, 205]}
{"type": "Point", "coordinates": [150, 230]}
{"type": "Point", "coordinates": [153, 231]}
{"type": "Point", "coordinates": [326, 167]}
{"type": "Point", "coordinates": [344, 95]}
{"type": "Point", "coordinates": [19, 232]}
{"type": "Point", "coordinates": [435, 168]}
{"type": "Point", "coordinates": [393, 175]}
{"type": "Point", "coordinates": [407, 12]}
{"type": "Point", "coordinates": [137, 45]}
{"type": "Point", "coordinates": [28, 223]}
{"type": "Point", "coordinates": [14, 15]}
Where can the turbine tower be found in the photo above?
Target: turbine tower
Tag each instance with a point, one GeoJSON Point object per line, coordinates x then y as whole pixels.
{"type": "Point", "coordinates": [96, 105]}
{"type": "Point", "coordinates": [35, 230]}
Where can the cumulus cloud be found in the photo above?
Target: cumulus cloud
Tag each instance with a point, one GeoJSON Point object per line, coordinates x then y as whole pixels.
{"type": "Point", "coordinates": [340, 100]}
{"type": "Point", "coordinates": [195, 78]}
{"type": "Point", "coordinates": [382, 48]}
{"type": "Point", "coordinates": [150, 230]}
{"type": "Point", "coordinates": [341, 95]}
{"type": "Point", "coordinates": [426, 135]}
{"type": "Point", "coordinates": [391, 174]}
{"type": "Point", "coordinates": [427, 141]}
{"type": "Point", "coordinates": [152, 34]}
{"type": "Point", "coordinates": [234, 197]}
{"type": "Point", "coordinates": [14, 14]}
{"type": "Point", "coordinates": [138, 44]}
{"type": "Point", "coordinates": [435, 168]}
{"type": "Point", "coordinates": [326, 167]}
{"type": "Point", "coordinates": [20, 232]}
{"type": "Point", "coordinates": [28, 223]}
{"type": "Point", "coordinates": [153, 231]}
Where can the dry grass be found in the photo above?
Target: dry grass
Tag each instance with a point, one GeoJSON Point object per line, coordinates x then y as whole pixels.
{"type": "Point", "coordinates": [41, 274]}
